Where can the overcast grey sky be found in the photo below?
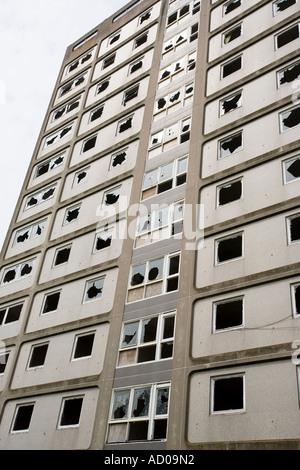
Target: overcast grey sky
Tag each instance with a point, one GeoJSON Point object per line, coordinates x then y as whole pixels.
{"type": "Point", "coordinates": [34, 35]}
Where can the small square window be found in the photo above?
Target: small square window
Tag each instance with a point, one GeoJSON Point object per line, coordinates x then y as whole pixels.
{"type": "Point", "coordinates": [94, 290]}
{"type": "Point", "coordinates": [282, 5]}
{"type": "Point", "coordinates": [230, 192]}
{"type": "Point", "coordinates": [118, 159]}
{"type": "Point", "coordinates": [231, 103]}
{"type": "Point", "coordinates": [102, 86]}
{"type": "Point", "coordinates": [288, 74]}
{"type": "Point", "coordinates": [71, 214]}
{"type": "Point", "coordinates": [96, 114]}
{"type": "Point", "coordinates": [231, 6]}
{"type": "Point", "coordinates": [112, 196]}
{"type": "Point", "coordinates": [293, 228]}
{"type": "Point", "coordinates": [51, 302]}
{"type": "Point", "coordinates": [71, 411]}
{"type": "Point", "coordinates": [141, 40]}
{"type": "Point", "coordinates": [108, 61]}
{"type": "Point", "coordinates": [62, 256]}
{"type": "Point", "coordinates": [83, 346]}
{"type": "Point", "coordinates": [130, 94]}
{"type": "Point", "coordinates": [287, 36]}
{"type": "Point", "coordinates": [229, 248]}
{"type": "Point", "coordinates": [89, 144]}
{"type": "Point", "coordinates": [231, 66]}
{"type": "Point", "coordinates": [103, 240]}
{"type": "Point", "coordinates": [38, 355]}
{"type": "Point", "coordinates": [230, 145]}
{"type": "Point", "coordinates": [291, 169]}
{"type": "Point", "coordinates": [81, 177]}
{"type": "Point", "coordinates": [22, 418]}
{"type": "Point", "coordinates": [136, 65]}
{"type": "Point", "coordinates": [232, 34]}
{"type": "Point", "coordinates": [290, 119]}
{"type": "Point", "coordinates": [227, 393]}
{"type": "Point", "coordinates": [228, 314]}
{"type": "Point", "coordinates": [125, 124]}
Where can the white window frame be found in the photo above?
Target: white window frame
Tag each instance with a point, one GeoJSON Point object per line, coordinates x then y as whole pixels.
{"type": "Point", "coordinates": [77, 206]}
{"type": "Point", "coordinates": [227, 138]}
{"type": "Point", "coordinates": [225, 301]}
{"type": "Point", "coordinates": [293, 287]}
{"type": "Point", "coordinates": [50, 161]}
{"type": "Point", "coordinates": [285, 31]}
{"type": "Point", "coordinates": [219, 187]}
{"type": "Point", "coordinates": [288, 228]}
{"type": "Point", "coordinates": [80, 335]}
{"type": "Point", "coordinates": [30, 230]}
{"type": "Point", "coordinates": [232, 59]}
{"type": "Point", "coordinates": [275, 12]}
{"type": "Point", "coordinates": [228, 97]}
{"type": "Point", "coordinates": [64, 400]}
{"type": "Point", "coordinates": [7, 308]}
{"type": "Point", "coordinates": [61, 248]}
{"type": "Point", "coordinates": [100, 279]}
{"type": "Point", "coordinates": [175, 174]}
{"type": "Point", "coordinates": [18, 406]}
{"type": "Point", "coordinates": [42, 313]}
{"type": "Point", "coordinates": [18, 269]}
{"type": "Point", "coordinates": [228, 31]}
{"type": "Point", "coordinates": [109, 233]}
{"type": "Point", "coordinates": [228, 237]}
{"type": "Point", "coordinates": [228, 3]}
{"type": "Point", "coordinates": [293, 64]}
{"type": "Point", "coordinates": [28, 367]}
{"type": "Point", "coordinates": [212, 393]}
{"type": "Point", "coordinates": [84, 180]}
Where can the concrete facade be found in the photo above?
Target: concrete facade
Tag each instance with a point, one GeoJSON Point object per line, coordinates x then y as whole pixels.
{"type": "Point", "coordinates": [126, 321]}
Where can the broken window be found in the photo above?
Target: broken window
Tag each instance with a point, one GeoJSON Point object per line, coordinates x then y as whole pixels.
{"type": "Point", "coordinates": [83, 346]}
{"type": "Point", "coordinates": [290, 119]}
{"type": "Point", "coordinates": [49, 165]}
{"type": "Point", "coordinates": [231, 6]}
{"type": "Point", "coordinates": [231, 66]}
{"type": "Point", "coordinates": [30, 232]}
{"type": "Point", "coordinates": [229, 248]}
{"type": "Point", "coordinates": [102, 86]}
{"type": "Point", "coordinates": [231, 145]}
{"type": "Point", "coordinates": [194, 32]}
{"type": "Point", "coordinates": [62, 256]}
{"type": "Point", "coordinates": [134, 419]}
{"type": "Point", "coordinates": [50, 303]}
{"type": "Point", "coordinates": [228, 393]}
{"type": "Point", "coordinates": [94, 290]}
{"type": "Point", "coordinates": [112, 196]}
{"type": "Point", "coordinates": [228, 314]}
{"type": "Point", "coordinates": [173, 273]}
{"type": "Point", "coordinates": [281, 5]}
{"type": "Point", "coordinates": [55, 138]}
{"type": "Point", "coordinates": [125, 124]}
{"type": "Point", "coordinates": [293, 226]}
{"type": "Point", "coordinates": [119, 158]}
{"type": "Point", "coordinates": [39, 198]}
{"type": "Point", "coordinates": [130, 94]}
{"type": "Point", "coordinates": [230, 103]}
{"type": "Point", "coordinates": [287, 36]}
{"type": "Point", "coordinates": [145, 17]}
{"type": "Point", "coordinates": [291, 169]}
{"type": "Point", "coordinates": [80, 61]}
{"type": "Point", "coordinates": [22, 417]}
{"type": "Point", "coordinates": [165, 177]}
{"type": "Point", "coordinates": [295, 291]}
{"type": "Point", "coordinates": [136, 65]}
{"type": "Point", "coordinates": [71, 214]}
{"type": "Point", "coordinates": [182, 95]}
{"type": "Point", "coordinates": [289, 74]}
{"type": "Point", "coordinates": [108, 61]}
{"type": "Point", "coordinates": [103, 240]}
{"type": "Point", "coordinates": [38, 355]}
{"type": "Point", "coordinates": [65, 109]}
{"type": "Point", "coordinates": [71, 411]}
{"type": "Point", "coordinates": [149, 339]}
{"type": "Point", "coordinates": [185, 130]}
{"type": "Point", "coordinates": [141, 40]}
{"type": "Point", "coordinates": [114, 38]}
{"type": "Point", "coordinates": [15, 273]}
{"type": "Point", "coordinates": [10, 314]}
{"type": "Point", "coordinates": [229, 192]}
{"type": "Point", "coordinates": [81, 177]}
{"type": "Point", "coordinates": [97, 113]}
{"type": "Point", "coordinates": [232, 34]}
{"type": "Point", "coordinates": [3, 361]}
{"type": "Point", "coordinates": [89, 144]}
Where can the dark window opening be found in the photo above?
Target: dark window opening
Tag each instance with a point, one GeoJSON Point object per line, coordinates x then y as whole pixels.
{"type": "Point", "coordinates": [109, 61]}
{"type": "Point", "coordinates": [194, 32]}
{"type": "Point", "coordinates": [228, 394]}
{"type": "Point", "coordinates": [66, 88]}
{"type": "Point", "coordinates": [232, 6]}
{"type": "Point", "coordinates": [47, 194]}
{"type": "Point", "coordinates": [290, 74]}
{"type": "Point", "coordinates": [3, 362]}
{"type": "Point", "coordinates": [118, 159]}
{"type": "Point", "coordinates": [175, 97]}
{"type": "Point", "coordinates": [149, 330]}
{"type": "Point", "coordinates": [72, 214]}
{"type": "Point", "coordinates": [292, 118]}
{"type": "Point", "coordinates": [138, 431]}
{"type": "Point", "coordinates": [231, 145]}
{"type": "Point", "coordinates": [95, 290]}
{"type": "Point", "coordinates": [71, 412]}
{"type": "Point", "coordinates": [73, 106]}
{"type": "Point", "coordinates": [166, 350]}
{"type": "Point", "coordinates": [103, 242]}
{"type": "Point", "coordinates": [26, 269]}
{"type": "Point", "coordinates": [229, 314]}
{"type": "Point", "coordinates": [146, 354]}
{"type": "Point", "coordinates": [51, 302]}
{"type": "Point", "coordinates": [145, 17]}
{"type": "Point", "coordinates": [89, 144]}
{"type": "Point", "coordinates": [232, 34]}
{"type": "Point", "coordinates": [230, 248]}
{"type": "Point", "coordinates": [65, 131]}
{"type": "Point", "coordinates": [160, 428]}
{"type": "Point", "coordinates": [81, 177]}
{"type": "Point", "coordinates": [284, 4]}
{"type": "Point", "coordinates": [184, 10]}
{"type": "Point", "coordinates": [130, 94]}
{"type": "Point", "coordinates": [297, 299]}
{"type": "Point", "coordinates": [56, 162]}
{"type": "Point", "coordinates": [23, 418]}
{"type": "Point", "coordinates": [43, 169]}
{"type": "Point", "coordinates": [161, 103]}
{"type": "Point", "coordinates": [232, 103]}
{"type": "Point", "coordinates": [111, 198]}
{"type": "Point", "coordinates": [22, 238]}
{"type": "Point", "coordinates": [295, 229]}
{"type": "Point", "coordinates": [293, 169]}
{"type": "Point", "coordinates": [97, 114]}
{"type": "Point", "coordinates": [102, 87]}
{"type": "Point", "coordinates": [79, 81]}
{"type": "Point", "coordinates": [230, 192]}
{"type": "Point", "coordinates": [38, 356]}
{"type": "Point", "coordinates": [141, 40]}
{"type": "Point", "coordinates": [13, 314]}
{"type": "Point", "coordinates": [59, 113]}
{"type": "Point", "coordinates": [84, 346]}
{"type": "Point", "coordinates": [232, 66]}
{"type": "Point", "coordinates": [62, 256]}
{"type": "Point", "coordinates": [288, 36]}
{"type": "Point", "coordinates": [9, 276]}
{"type": "Point", "coordinates": [136, 66]}
{"type": "Point", "coordinates": [115, 39]}
{"type": "Point", "coordinates": [172, 18]}
{"type": "Point", "coordinates": [86, 58]}
{"type": "Point", "coordinates": [125, 125]}
{"type": "Point", "coordinates": [197, 6]}
{"type": "Point", "coordinates": [74, 66]}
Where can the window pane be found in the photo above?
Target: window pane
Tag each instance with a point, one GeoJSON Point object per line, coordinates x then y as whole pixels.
{"type": "Point", "coordinates": [161, 217]}
{"type": "Point", "coordinates": [162, 401]}
{"type": "Point", "coordinates": [149, 330]}
{"type": "Point", "coordinates": [141, 401]}
{"type": "Point", "coordinates": [130, 334]}
{"type": "Point", "coordinates": [174, 265]}
{"type": "Point", "coordinates": [166, 172]}
{"type": "Point", "coordinates": [38, 356]}
{"type": "Point", "coordinates": [138, 274]}
{"type": "Point", "coordinates": [228, 394]}
{"type": "Point", "coordinates": [84, 346]}
{"type": "Point", "coordinates": [23, 418]}
{"type": "Point", "coordinates": [150, 179]}
{"type": "Point", "coordinates": [94, 290]}
{"type": "Point", "coordinates": [71, 412]}
{"type": "Point", "coordinates": [155, 269]}
{"type": "Point", "coordinates": [169, 323]}
{"type": "Point", "coordinates": [120, 406]}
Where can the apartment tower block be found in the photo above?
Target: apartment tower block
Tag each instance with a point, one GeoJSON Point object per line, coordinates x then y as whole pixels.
{"type": "Point", "coordinates": [150, 282]}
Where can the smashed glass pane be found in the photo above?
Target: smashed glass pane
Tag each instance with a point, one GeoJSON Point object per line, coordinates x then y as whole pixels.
{"type": "Point", "coordinates": [162, 401]}
{"type": "Point", "coordinates": [155, 269]}
{"type": "Point", "coordinates": [94, 290]}
{"type": "Point", "coordinates": [138, 274]}
{"type": "Point", "coordinates": [130, 334]}
{"type": "Point", "coordinates": [149, 328]}
{"type": "Point", "coordinates": [141, 401]}
{"type": "Point", "coordinates": [120, 406]}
